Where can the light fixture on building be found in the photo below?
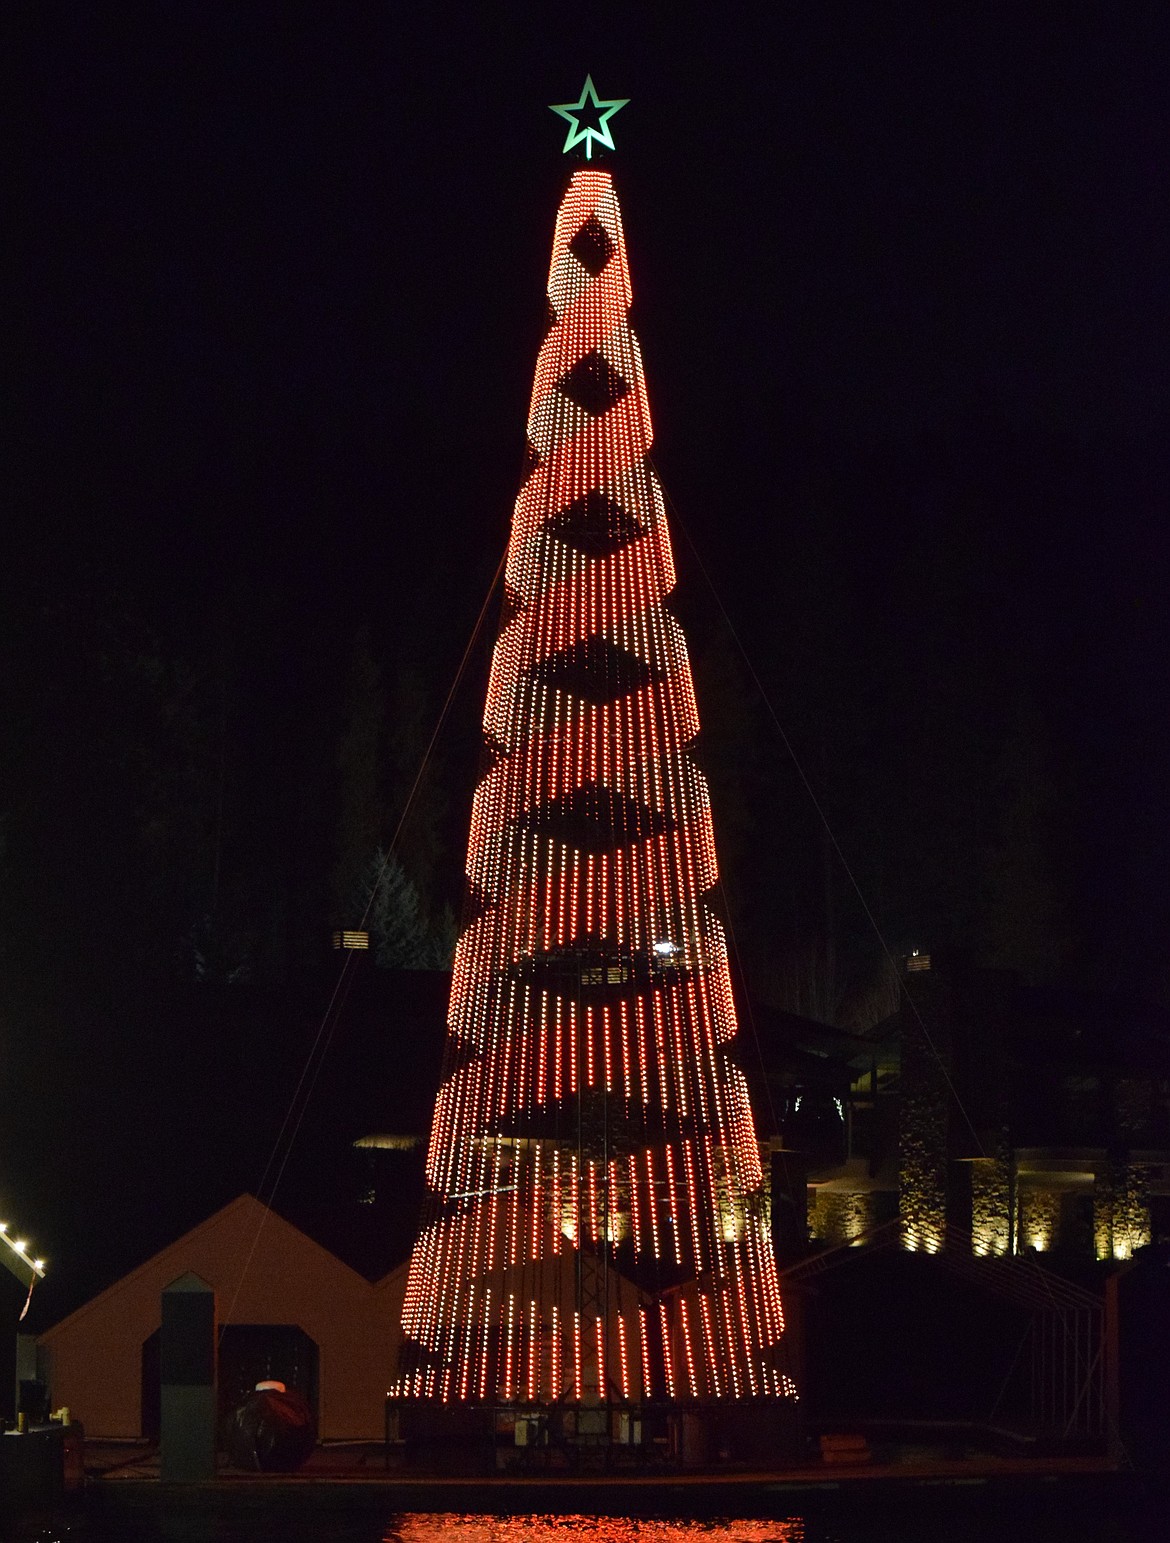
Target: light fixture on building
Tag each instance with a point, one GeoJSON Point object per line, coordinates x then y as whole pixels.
{"type": "Point", "coordinates": [916, 961]}
{"type": "Point", "coordinates": [353, 939]}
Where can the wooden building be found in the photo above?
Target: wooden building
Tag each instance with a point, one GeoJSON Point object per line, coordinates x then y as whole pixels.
{"type": "Point", "coordinates": [287, 1308]}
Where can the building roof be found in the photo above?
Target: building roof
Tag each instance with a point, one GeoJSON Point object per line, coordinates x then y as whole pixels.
{"type": "Point", "coordinates": [244, 1236]}
{"type": "Point", "coordinates": [174, 1135]}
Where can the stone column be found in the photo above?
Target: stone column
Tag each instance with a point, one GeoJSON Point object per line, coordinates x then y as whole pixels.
{"type": "Point", "coordinates": [923, 1112]}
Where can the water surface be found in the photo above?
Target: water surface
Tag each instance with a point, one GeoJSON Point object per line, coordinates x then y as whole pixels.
{"type": "Point", "coordinates": [950, 1517]}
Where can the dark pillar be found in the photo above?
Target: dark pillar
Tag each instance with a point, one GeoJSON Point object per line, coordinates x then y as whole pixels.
{"type": "Point", "coordinates": [26, 1374]}
{"type": "Point", "coordinates": [789, 1176]}
{"type": "Point", "coordinates": [187, 1356]}
{"type": "Point", "coordinates": [924, 1108]}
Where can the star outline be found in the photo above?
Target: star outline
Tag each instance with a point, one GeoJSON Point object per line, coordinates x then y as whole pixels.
{"type": "Point", "coordinates": [569, 111]}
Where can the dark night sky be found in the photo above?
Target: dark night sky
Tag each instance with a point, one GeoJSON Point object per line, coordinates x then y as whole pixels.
{"type": "Point", "coordinates": [283, 265]}
{"type": "Point", "coordinates": [900, 285]}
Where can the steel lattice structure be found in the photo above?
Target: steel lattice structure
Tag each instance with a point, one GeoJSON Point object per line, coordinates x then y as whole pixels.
{"type": "Point", "coordinates": [597, 1226]}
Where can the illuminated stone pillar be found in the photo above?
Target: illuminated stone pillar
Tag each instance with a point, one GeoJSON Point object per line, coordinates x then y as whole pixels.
{"type": "Point", "coordinates": [1121, 1210]}
{"type": "Point", "coordinates": [1039, 1219]}
{"type": "Point", "coordinates": [922, 1113]}
{"type": "Point", "coordinates": [841, 1216]}
{"type": "Point", "coordinates": [991, 1202]}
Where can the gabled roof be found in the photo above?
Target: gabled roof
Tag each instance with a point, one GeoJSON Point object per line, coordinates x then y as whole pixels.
{"type": "Point", "coordinates": [245, 1209]}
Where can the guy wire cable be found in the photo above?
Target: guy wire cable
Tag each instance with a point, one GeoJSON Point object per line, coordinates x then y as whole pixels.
{"type": "Point", "coordinates": [303, 1092]}
{"type": "Point", "coordinates": [904, 994]}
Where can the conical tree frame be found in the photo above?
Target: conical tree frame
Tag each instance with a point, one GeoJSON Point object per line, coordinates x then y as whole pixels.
{"type": "Point", "coordinates": [596, 1230]}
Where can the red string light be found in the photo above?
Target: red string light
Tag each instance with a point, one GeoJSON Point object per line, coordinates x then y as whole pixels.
{"type": "Point", "coordinates": [588, 1099]}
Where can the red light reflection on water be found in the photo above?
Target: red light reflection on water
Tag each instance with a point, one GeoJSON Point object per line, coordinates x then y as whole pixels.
{"type": "Point", "coordinates": [597, 1529]}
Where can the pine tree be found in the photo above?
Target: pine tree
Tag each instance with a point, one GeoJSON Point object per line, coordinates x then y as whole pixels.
{"type": "Point", "coordinates": [389, 901]}
{"type": "Point", "coordinates": [442, 941]}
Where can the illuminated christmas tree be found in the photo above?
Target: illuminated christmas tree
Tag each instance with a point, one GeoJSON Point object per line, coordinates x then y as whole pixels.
{"type": "Point", "coordinates": [597, 1229]}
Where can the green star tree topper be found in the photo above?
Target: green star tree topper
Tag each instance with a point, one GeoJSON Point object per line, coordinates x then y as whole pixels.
{"type": "Point", "coordinates": [588, 119]}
